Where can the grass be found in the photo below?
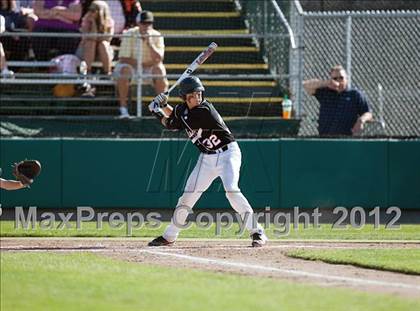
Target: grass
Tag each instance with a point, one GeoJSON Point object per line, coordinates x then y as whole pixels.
{"type": "Point", "coordinates": [405, 260]}
{"type": "Point", "coordinates": [52, 281]}
{"type": "Point", "coordinates": [88, 229]}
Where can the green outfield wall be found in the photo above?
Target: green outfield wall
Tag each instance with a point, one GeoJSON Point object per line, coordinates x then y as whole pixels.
{"type": "Point", "coordinates": [133, 173]}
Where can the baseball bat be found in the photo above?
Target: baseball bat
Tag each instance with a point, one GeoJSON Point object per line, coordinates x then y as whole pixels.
{"type": "Point", "coordinates": [195, 64]}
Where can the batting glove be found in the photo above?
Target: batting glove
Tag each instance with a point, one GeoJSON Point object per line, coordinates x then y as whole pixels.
{"type": "Point", "coordinates": [154, 106]}
{"type": "Point", "coordinates": [161, 100]}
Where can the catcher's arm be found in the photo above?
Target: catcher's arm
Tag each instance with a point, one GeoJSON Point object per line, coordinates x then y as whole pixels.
{"type": "Point", "coordinates": [11, 184]}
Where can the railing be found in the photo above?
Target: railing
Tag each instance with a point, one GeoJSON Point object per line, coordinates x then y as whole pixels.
{"type": "Point", "coordinates": [267, 18]}
{"type": "Point", "coordinates": [38, 77]}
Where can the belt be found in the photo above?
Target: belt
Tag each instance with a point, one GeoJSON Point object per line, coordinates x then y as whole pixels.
{"type": "Point", "coordinates": [220, 150]}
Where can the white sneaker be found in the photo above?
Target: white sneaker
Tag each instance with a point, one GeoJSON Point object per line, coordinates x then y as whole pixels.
{"type": "Point", "coordinates": [7, 73]}
{"type": "Point", "coordinates": [124, 113]}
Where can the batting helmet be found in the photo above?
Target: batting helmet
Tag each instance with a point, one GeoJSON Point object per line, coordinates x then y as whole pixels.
{"type": "Point", "coordinates": [190, 84]}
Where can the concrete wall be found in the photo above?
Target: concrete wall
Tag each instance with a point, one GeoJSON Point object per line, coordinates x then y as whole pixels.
{"type": "Point", "coordinates": [136, 173]}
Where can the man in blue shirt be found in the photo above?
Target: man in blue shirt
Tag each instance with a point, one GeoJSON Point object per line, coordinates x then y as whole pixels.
{"type": "Point", "coordinates": [343, 110]}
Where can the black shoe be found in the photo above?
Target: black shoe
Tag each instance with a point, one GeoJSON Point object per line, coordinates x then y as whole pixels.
{"type": "Point", "coordinates": [258, 239]}
{"type": "Point", "coordinates": [86, 90]}
{"type": "Point", "coordinates": [160, 241]}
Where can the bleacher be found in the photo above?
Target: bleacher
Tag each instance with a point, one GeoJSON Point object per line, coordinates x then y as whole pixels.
{"type": "Point", "coordinates": [244, 87]}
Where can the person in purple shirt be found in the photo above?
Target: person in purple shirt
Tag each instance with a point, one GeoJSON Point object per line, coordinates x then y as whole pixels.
{"type": "Point", "coordinates": [343, 110]}
{"type": "Point", "coordinates": [56, 16]}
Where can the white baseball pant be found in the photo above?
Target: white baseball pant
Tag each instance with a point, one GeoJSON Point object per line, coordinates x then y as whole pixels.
{"type": "Point", "coordinates": [227, 165]}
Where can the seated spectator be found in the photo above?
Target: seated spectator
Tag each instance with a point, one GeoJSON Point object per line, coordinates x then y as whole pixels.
{"type": "Point", "coordinates": [97, 20]}
{"type": "Point", "coordinates": [117, 15]}
{"type": "Point", "coordinates": [4, 71]}
{"type": "Point", "coordinates": [14, 19]}
{"type": "Point", "coordinates": [343, 110]}
{"type": "Point", "coordinates": [151, 57]}
{"type": "Point", "coordinates": [19, 16]}
{"type": "Point", "coordinates": [60, 16]}
{"type": "Point", "coordinates": [26, 8]}
{"type": "Point", "coordinates": [123, 12]}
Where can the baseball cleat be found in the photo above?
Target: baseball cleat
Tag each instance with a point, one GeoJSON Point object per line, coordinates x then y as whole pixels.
{"type": "Point", "coordinates": [160, 241]}
{"type": "Point", "coordinates": [258, 239]}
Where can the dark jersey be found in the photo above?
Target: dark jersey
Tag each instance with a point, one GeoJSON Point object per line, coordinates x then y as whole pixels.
{"type": "Point", "coordinates": [203, 124]}
{"type": "Point", "coordinates": [339, 111]}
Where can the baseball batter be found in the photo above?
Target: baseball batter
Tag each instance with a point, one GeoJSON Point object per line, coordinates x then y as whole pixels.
{"type": "Point", "coordinates": [220, 157]}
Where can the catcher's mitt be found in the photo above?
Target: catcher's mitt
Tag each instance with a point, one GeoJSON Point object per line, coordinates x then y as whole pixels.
{"type": "Point", "coordinates": [25, 171]}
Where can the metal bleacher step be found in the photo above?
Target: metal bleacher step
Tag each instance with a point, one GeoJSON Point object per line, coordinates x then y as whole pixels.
{"type": "Point", "coordinates": [203, 23]}
{"type": "Point", "coordinates": [201, 14]}
{"type": "Point", "coordinates": [222, 42]}
{"type": "Point", "coordinates": [212, 31]}
{"type": "Point", "coordinates": [224, 49]}
{"type": "Point", "coordinates": [220, 57]}
{"type": "Point", "coordinates": [221, 68]}
{"type": "Point", "coordinates": [234, 56]}
{"type": "Point", "coordinates": [69, 102]}
{"type": "Point", "coordinates": [226, 94]}
{"type": "Point", "coordinates": [233, 108]}
{"type": "Point", "coordinates": [183, 6]}
{"type": "Point", "coordinates": [198, 19]}
{"type": "Point", "coordinates": [37, 89]}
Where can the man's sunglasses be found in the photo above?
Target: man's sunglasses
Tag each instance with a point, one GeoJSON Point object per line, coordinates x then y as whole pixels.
{"type": "Point", "coordinates": [338, 78]}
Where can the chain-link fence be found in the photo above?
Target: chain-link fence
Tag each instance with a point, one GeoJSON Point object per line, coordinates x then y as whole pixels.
{"type": "Point", "coordinates": [381, 53]}
{"type": "Point", "coordinates": [265, 19]}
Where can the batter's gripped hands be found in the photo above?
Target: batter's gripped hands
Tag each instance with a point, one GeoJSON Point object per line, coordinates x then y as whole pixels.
{"type": "Point", "coordinates": [158, 102]}
{"type": "Point", "coordinates": [161, 99]}
{"type": "Point", "coordinates": [333, 85]}
{"type": "Point", "coordinates": [153, 106]}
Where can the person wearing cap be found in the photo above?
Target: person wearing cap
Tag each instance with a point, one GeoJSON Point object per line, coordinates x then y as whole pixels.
{"type": "Point", "coordinates": [151, 56]}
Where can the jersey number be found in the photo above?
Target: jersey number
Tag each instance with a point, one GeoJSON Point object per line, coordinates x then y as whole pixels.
{"type": "Point", "coordinates": [212, 141]}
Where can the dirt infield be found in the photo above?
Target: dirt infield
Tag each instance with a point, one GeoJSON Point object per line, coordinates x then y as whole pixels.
{"type": "Point", "coordinates": [237, 257]}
